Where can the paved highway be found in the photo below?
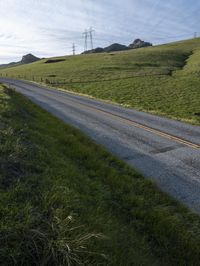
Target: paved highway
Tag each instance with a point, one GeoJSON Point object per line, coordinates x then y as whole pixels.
{"type": "Point", "coordinates": [164, 150]}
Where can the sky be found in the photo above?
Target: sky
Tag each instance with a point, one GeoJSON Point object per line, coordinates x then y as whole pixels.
{"type": "Point", "coordinates": [49, 27]}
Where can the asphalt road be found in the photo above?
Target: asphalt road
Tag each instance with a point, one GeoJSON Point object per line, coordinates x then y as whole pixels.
{"type": "Point", "coordinates": [164, 150]}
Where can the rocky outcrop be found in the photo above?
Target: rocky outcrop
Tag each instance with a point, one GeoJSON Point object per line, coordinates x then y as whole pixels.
{"type": "Point", "coordinates": [29, 58]}
{"type": "Point", "coordinates": [26, 59]}
{"type": "Point", "coordinates": [111, 48]}
{"type": "Point", "coordinates": [119, 47]}
{"type": "Point", "coordinates": [139, 44]}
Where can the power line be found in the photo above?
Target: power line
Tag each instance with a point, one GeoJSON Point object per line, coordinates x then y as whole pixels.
{"type": "Point", "coordinates": [149, 18]}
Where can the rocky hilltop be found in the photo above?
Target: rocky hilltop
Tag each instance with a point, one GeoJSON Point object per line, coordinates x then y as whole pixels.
{"type": "Point", "coordinates": [139, 44]}
{"type": "Point", "coordinates": [29, 58]}
{"type": "Point", "coordinates": [26, 59]}
{"type": "Point", "coordinates": [120, 47]}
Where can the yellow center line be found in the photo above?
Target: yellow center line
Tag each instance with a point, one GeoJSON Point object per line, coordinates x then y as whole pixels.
{"type": "Point", "coordinates": [146, 128]}
{"type": "Point", "coordinates": [141, 126]}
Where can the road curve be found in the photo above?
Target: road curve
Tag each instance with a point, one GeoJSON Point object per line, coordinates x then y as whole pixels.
{"type": "Point", "coordinates": [164, 150]}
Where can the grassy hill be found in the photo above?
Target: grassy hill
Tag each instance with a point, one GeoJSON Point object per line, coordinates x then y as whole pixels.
{"type": "Point", "coordinates": [66, 201]}
{"type": "Point", "coordinates": [162, 79]}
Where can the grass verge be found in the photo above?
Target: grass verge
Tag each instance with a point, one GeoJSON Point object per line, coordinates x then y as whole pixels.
{"type": "Point", "coordinates": [66, 201]}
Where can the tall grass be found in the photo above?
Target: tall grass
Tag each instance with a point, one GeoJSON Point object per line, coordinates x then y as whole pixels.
{"type": "Point", "coordinates": [66, 201]}
{"type": "Point", "coordinates": [37, 223]}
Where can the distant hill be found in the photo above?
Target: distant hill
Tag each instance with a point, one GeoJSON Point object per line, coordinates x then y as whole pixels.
{"type": "Point", "coordinates": [29, 58]}
{"type": "Point", "coordinates": [9, 64]}
{"type": "Point", "coordinates": [115, 47]}
{"type": "Point", "coordinates": [26, 59]}
{"type": "Point", "coordinates": [111, 48]}
{"type": "Point", "coordinates": [119, 47]}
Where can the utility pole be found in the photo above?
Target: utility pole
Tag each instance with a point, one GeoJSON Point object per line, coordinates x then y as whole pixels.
{"type": "Point", "coordinates": [85, 33]}
{"type": "Point", "coordinates": [91, 31]}
{"type": "Point", "coordinates": [74, 49]}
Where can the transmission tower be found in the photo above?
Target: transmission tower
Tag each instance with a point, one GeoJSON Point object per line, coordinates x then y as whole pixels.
{"type": "Point", "coordinates": [74, 49]}
{"type": "Point", "coordinates": [91, 31]}
{"type": "Point", "coordinates": [88, 34]}
{"type": "Point", "coordinates": [195, 35]}
{"type": "Point", "coordinates": [85, 33]}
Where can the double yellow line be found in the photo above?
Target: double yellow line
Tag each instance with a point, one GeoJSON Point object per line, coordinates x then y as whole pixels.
{"type": "Point", "coordinates": [141, 126]}
{"type": "Point", "coordinates": [146, 128]}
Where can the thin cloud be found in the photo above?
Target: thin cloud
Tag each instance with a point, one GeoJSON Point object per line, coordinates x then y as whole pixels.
{"type": "Point", "coordinates": [48, 28]}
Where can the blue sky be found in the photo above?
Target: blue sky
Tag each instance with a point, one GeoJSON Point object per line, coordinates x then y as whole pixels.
{"type": "Point", "coordinates": [49, 27]}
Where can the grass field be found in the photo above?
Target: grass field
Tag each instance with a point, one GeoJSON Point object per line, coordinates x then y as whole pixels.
{"type": "Point", "coordinates": [164, 79]}
{"type": "Point", "coordinates": [66, 201]}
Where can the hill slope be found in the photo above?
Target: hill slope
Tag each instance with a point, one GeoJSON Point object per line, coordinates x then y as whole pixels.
{"type": "Point", "coordinates": [162, 79]}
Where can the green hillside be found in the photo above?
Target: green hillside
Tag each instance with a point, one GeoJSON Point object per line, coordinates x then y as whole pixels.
{"type": "Point", "coordinates": [162, 79]}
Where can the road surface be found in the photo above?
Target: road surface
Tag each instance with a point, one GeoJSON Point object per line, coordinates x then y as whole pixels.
{"type": "Point", "coordinates": [164, 150]}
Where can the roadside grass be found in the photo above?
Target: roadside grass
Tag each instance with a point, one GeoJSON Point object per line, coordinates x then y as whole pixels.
{"type": "Point", "coordinates": [66, 201]}
{"type": "Point", "coordinates": [163, 80]}
{"type": "Point", "coordinates": [178, 100]}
